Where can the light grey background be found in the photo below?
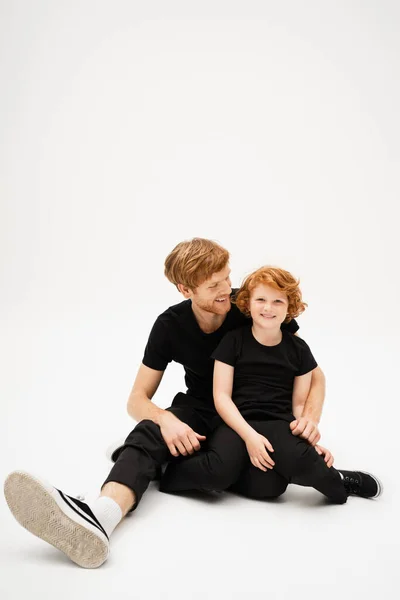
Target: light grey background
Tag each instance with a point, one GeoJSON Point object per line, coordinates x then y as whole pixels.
{"type": "Point", "coordinates": [126, 127]}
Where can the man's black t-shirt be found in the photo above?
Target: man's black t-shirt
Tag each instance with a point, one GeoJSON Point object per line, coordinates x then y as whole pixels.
{"type": "Point", "coordinates": [176, 336]}
{"type": "Point", "coordinates": [264, 375]}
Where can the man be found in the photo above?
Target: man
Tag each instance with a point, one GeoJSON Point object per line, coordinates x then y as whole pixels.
{"type": "Point", "coordinates": [187, 333]}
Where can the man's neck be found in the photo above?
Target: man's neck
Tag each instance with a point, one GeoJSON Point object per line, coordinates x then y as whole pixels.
{"type": "Point", "coordinates": [208, 322]}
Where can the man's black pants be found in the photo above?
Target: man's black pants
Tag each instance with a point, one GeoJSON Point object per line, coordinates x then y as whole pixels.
{"type": "Point", "coordinates": [145, 451]}
{"type": "Point", "coordinates": [296, 461]}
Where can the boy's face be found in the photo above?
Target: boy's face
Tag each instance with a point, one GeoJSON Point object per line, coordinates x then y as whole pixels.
{"type": "Point", "coordinates": [213, 295]}
{"type": "Point", "coordinates": [268, 306]}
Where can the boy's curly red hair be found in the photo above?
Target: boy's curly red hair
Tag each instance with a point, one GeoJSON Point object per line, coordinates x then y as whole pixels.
{"type": "Point", "coordinates": [280, 280]}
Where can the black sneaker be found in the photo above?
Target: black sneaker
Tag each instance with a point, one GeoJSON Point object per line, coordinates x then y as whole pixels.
{"type": "Point", "coordinates": [65, 522]}
{"type": "Point", "coordinates": [360, 483]}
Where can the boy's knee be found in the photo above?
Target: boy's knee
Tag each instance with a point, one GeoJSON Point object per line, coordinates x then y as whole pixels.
{"type": "Point", "coordinates": [257, 493]}
{"type": "Point", "coordinates": [260, 485]}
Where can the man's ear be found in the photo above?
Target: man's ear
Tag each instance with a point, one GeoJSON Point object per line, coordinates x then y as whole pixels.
{"type": "Point", "coordinates": [184, 290]}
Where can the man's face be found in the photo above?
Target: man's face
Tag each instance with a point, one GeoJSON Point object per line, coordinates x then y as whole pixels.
{"type": "Point", "coordinates": [213, 295]}
{"type": "Point", "coordinates": [268, 306]}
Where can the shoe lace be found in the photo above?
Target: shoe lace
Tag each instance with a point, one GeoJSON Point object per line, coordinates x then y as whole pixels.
{"type": "Point", "coordinates": [352, 484]}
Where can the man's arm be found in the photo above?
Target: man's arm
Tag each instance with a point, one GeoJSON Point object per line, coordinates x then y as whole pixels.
{"type": "Point", "coordinates": [140, 406]}
{"type": "Point", "coordinates": [301, 390]}
{"type": "Point", "coordinates": [179, 437]}
{"type": "Point", "coordinates": [307, 425]}
{"type": "Point", "coordinates": [315, 399]}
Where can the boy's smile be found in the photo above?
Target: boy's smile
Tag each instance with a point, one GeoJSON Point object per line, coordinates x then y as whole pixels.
{"type": "Point", "coordinates": [268, 308]}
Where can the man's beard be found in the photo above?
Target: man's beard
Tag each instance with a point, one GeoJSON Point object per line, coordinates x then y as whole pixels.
{"type": "Point", "coordinates": [212, 307]}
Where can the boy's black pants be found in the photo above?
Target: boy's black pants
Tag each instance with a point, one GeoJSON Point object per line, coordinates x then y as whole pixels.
{"type": "Point", "coordinates": [296, 461]}
{"type": "Point", "coordinates": [145, 451]}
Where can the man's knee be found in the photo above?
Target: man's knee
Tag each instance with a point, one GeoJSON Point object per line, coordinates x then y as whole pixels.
{"type": "Point", "coordinates": [147, 439]}
{"type": "Point", "coordinates": [145, 429]}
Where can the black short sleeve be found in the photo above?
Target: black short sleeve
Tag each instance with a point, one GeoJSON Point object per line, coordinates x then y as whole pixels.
{"type": "Point", "coordinates": [158, 353]}
{"type": "Point", "coordinates": [226, 351]}
{"type": "Point", "coordinates": [291, 327]}
{"type": "Point", "coordinates": [307, 360]}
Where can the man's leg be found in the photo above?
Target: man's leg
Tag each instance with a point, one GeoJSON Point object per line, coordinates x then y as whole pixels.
{"type": "Point", "coordinates": [81, 531]}
{"type": "Point", "coordinates": [217, 468]}
{"type": "Point", "coordinates": [143, 453]}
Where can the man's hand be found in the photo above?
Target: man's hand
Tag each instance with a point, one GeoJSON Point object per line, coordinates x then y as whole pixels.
{"type": "Point", "coordinates": [259, 457]}
{"type": "Point", "coordinates": [327, 456]}
{"type": "Point", "coordinates": [179, 437]}
{"type": "Point", "coordinates": [306, 429]}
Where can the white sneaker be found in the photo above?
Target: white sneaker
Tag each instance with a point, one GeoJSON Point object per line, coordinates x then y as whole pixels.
{"type": "Point", "coordinates": [65, 522]}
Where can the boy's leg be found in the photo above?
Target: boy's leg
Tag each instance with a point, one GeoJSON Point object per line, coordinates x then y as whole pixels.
{"type": "Point", "coordinates": [259, 485]}
{"type": "Point", "coordinates": [298, 461]}
{"type": "Point", "coordinates": [215, 469]}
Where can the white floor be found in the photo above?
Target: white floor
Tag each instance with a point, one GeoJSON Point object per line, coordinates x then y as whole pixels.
{"type": "Point", "coordinates": [194, 547]}
{"type": "Point", "coordinates": [271, 127]}
{"type": "Point", "coordinates": [60, 415]}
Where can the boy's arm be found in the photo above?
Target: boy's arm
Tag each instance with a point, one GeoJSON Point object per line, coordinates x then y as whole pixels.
{"type": "Point", "coordinates": [228, 411]}
{"type": "Point", "coordinates": [256, 444]}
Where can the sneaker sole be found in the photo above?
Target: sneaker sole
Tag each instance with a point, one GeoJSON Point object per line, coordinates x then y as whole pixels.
{"type": "Point", "coordinates": [378, 483]}
{"type": "Point", "coordinates": [33, 503]}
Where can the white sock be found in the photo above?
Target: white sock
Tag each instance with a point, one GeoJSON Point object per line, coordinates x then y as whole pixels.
{"type": "Point", "coordinates": [108, 513]}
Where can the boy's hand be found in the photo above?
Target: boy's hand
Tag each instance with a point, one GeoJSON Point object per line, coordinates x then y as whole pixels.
{"type": "Point", "coordinates": [179, 437]}
{"type": "Point", "coordinates": [256, 445]}
{"type": "Point", "coordinates": [306, 429]}
{"type": "Point", "coordinates": [327, 456]}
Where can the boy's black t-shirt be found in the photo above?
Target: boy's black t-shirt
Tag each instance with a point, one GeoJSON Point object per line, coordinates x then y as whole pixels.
{"type": "Point", "coordinates": [264, 375]}
{"type": "Point", "coordinates": [176, 336]}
